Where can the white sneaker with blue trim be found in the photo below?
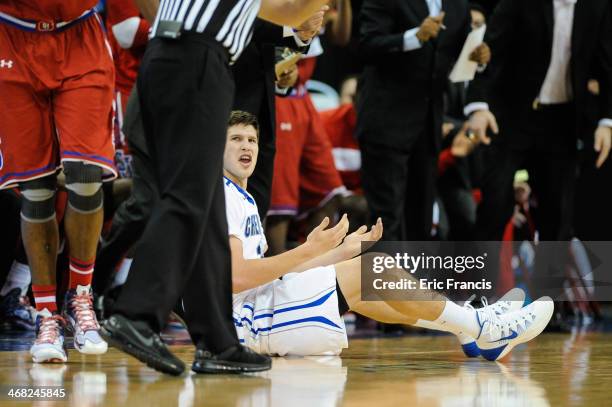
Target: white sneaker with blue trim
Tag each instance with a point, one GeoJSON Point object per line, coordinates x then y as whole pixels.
{"type": "Point", "coordinates": [499, 333]}
{"type": "Point", "coordinates": [513, 300]}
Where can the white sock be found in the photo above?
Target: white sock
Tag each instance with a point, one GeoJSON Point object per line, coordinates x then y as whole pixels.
{"type": "Point", "coordinates": [457, 319]}
{"type": "Point", "coordinates": [122, 274]}
{"type": "Point", "coordinates": [18, 277]}
{"type": "Point", "coordinates": [423, 323]}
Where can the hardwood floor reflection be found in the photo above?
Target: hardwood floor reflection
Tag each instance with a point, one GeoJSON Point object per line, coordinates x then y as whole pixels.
{"type": "Point", "coordinates": [554, 370]}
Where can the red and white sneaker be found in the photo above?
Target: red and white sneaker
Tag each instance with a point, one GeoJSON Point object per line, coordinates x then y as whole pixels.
{"type": "Point", "coordinates": [80, 314]}
{"type": "Point", "coordinates": [49, 344]}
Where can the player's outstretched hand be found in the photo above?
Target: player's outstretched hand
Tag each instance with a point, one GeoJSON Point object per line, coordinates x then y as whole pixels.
{"type": "Point", "coordinates": [352, 245]}
{"type": "Point", "coordinates": [322, 240]}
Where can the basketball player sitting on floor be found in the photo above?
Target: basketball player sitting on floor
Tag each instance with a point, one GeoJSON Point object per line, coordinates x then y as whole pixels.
{"type": "Point", "coordinates": [301, 314]}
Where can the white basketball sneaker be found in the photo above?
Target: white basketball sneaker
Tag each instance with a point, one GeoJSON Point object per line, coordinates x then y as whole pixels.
{"type": "Point", "coordinates": [82, 319]}
{"type": "Point", "coordinates": [513, 300]}
{"type": "Point", "coordinates": [49, 344]}
{"type": "Point", "coordinates": [499, 333]}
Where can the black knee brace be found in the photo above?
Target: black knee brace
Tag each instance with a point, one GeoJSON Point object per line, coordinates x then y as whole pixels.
{"type": "Point", "coordinates": [38, 199]}
{"type": "Point", "coordinates": [84, 185]}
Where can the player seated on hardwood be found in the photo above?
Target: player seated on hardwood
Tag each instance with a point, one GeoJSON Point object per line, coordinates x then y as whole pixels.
{"type": "Point", "coordinates": [300, 314]}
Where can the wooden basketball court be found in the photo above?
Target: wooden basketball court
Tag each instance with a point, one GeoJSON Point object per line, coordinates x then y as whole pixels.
{"type": "Point", "coordinates": [553, 370]}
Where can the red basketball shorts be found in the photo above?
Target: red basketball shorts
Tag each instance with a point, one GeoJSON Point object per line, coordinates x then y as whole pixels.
{"type": "Point", "coordinates": [56, 100]}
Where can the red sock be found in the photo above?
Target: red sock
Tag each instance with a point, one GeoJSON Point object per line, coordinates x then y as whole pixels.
{"type": "Point", "coordinates": [44, 297]}
{"type": "Point", "coordinates": [81, 273]}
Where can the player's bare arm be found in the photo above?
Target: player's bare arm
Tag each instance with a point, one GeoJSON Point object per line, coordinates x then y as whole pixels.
{"type": "Point", "coordinates": [351, 247]}
{"type": "Point", "coordinates": [247, 274]}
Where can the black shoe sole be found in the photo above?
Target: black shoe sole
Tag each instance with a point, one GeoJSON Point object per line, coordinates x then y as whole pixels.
{"type": "Point", "coordinates": [149, 359]}
{"type": "Point", "coordinates": [219, 367]}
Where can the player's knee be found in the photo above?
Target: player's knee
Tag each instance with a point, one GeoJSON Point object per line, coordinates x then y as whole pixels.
{"type": "Point", "coordinates": [38, 203]}
{"type": "Point", "coordinates": [84, 185]}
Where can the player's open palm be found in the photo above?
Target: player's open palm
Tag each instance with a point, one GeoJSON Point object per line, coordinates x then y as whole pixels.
{"type": "Point", "coordinates": [322, 240]}
{"type": "Point", "coordinates": [353, 243]}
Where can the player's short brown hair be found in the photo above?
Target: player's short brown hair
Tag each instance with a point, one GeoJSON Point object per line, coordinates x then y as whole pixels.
{"type": "Point", "coordinates": [239, 117]}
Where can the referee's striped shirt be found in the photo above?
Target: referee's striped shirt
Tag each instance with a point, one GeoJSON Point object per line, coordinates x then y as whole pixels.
{"type": "Point", "coordinates": [229, 21]}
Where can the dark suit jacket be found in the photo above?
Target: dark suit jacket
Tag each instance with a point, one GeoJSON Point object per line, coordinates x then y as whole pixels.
{"type": "Point", "coordinates": [455, 97]}
{"type": "Point", "coordinates": [401, 92]}
{"type": "Point", "coordinates": [254, 74]}
{"type": "Point", "coordinates": [255, 77]}
{"type": "Point", "coordinates": [520, 34]}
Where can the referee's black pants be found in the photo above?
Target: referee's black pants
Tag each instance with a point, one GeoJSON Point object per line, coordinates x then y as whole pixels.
{"type": "Point", "coordinates": [131, 217]}
{"type": "Point", "coordinates": [186, 92]}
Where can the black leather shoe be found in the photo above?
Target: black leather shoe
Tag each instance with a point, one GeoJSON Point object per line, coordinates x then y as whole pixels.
{"type": "Point", "coordinates": [236, 359]}
{"type": "Point", "coordinates": [138, 340]}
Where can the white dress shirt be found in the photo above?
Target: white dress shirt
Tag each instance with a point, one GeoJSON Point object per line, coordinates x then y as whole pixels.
{"type": "Point", "coordinates": [411, 42]}
{"type": "Point", "coordinates": [557, 86]}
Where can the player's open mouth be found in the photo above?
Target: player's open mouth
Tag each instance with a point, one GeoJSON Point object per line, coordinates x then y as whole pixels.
{"type": "Point", "coordinates": [245, 159]}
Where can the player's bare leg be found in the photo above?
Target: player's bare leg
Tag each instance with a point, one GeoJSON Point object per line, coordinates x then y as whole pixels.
{"type": "Point", "coordinates": [83, 232]}
{"type": "Point", "coordinates": [83, 224]}
{"type": "Point", "coordinates": [426, 305]}
{"type": "Point", "coordinates": [41, 241]}
{"type": "Point", "coordinates": [495, 334]}
{"type": "Point", "coordinates": [40, 237]}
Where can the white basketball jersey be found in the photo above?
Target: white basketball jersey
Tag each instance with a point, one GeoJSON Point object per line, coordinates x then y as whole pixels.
{"type": "Point", "coordinates": [297, 315]}
{"type": "Point", "coordinates": [243, 220]}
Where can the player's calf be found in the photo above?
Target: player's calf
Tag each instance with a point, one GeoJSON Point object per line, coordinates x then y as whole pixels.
{"type": "Point", "coordinates": [83, 225]}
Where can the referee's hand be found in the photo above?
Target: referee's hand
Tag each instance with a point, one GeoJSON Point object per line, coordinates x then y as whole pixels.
{"type": "Point", "coordinates": [312, 26]}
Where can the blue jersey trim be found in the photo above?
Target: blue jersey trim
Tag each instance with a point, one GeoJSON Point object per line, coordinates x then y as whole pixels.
{"type": "Point", "coordinates": [242, 191]}
{"type": "Point", "coordinates": [320, 319]}
{"type": "Point", "coordinates": [91, 156]}
{"type": "Point", "coordinates": [256, 331]}
{"type": "Point", "coordinates": [27, 173]}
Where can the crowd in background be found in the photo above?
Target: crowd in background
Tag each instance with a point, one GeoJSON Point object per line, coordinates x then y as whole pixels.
{"type": "Point", "coordinates": [365, 122]}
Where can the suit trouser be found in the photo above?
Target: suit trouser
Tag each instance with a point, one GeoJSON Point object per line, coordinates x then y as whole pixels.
{"type": "Point", "coordinates": [399, 186]}
{"type": "Point", "coordinates": [10, 206]}
{"type": "Point", "coordinates": [186, 92]}
{"type": "Point", "coordinates": [552, 164]}
{"type": "Point", "coordinates": [461, 211]}
{"type": "Point", "coordinates": [260, 183]}
{"type": "Point", "coordinates": [131, 216]}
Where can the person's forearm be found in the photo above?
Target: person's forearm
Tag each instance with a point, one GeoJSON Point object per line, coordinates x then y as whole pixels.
{"type": "Point", "coordinates": [252, 273]}
{"type": "Point", "coordinates": [333, 256]}
{"type": "Point", "coordinates": [289, 12]}
{"type": "Point", "coordinates": [148, 9]}
{"type": "Point", "coordinates": [340, 32]}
